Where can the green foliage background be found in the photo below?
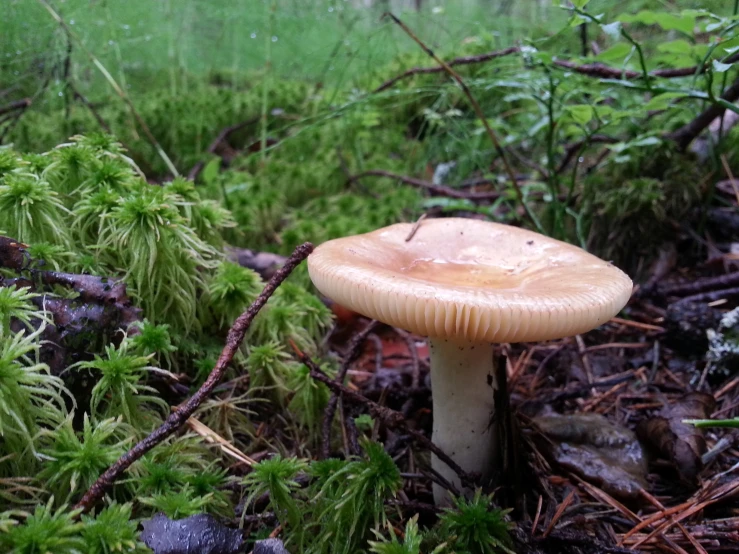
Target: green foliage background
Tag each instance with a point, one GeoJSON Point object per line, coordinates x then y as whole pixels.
{"type": "Point", "coordinates": [302, 75]}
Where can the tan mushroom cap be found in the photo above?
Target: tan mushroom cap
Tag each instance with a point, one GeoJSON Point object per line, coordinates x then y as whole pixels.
{"type": "Point", "coordinates": [470, 280]}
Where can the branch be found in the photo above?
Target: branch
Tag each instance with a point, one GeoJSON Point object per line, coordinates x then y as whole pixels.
{"type": "Point", "coordinates": [464, 60]}
{"type": "Point", "coordinates": [441, 190]}
{"type": "Point", "coordinates": [17, 105]}
{"type": "Point", "coordinates": [571, 150]}
{"type": "Point", "coordinates": [221, 138]}
{"type": "Point", "coordinates": [606, 72]}
{"type": "Point", "coordinates": [480, 114]}
{"type": "Point", "coordinates": [590, 70]}
{"type": "Point", "coordinates": [685, 134]}
{"type": "Point", "coordinates": [178, 417]}
{"type": "Point", "coordinates": [330, 411]}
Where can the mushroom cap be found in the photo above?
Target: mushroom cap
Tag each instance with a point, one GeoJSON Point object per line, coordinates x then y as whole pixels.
{"type": "Point", "coordinates": [470, 280]}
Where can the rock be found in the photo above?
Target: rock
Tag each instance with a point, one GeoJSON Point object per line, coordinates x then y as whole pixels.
{"type": "Point", "coordinates": [269, 546]}
{"type": "Point", "coordinates": [198, 534]}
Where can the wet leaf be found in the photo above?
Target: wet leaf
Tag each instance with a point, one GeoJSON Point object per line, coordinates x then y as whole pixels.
{"type": "Point", "coordinates": [679, 442]}
{"type": "Point", "coordinates": [198, 534]}
{"type": "Point", "coordinates": [597, 450]}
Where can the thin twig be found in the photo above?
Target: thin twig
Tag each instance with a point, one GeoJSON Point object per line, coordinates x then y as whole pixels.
{"type": "Point", "coordinates": [349, 359]}
{"type": "Point", "coordinates": [390, 417]}
{"type": "Point", "coordinates": [480, 114]}
{"type": "Point", "coordinates": [180, 416]}
{"type": "Point", "coordinates": [14, 106]}
{"type": "Point", "coordinates": [685, 134]}
{"type": "Point", "coordinates": [441, 190]}
{"type": "Point", "coordinates": [465, 60]}
{"type": "Point", "coordinates": [221, 138]}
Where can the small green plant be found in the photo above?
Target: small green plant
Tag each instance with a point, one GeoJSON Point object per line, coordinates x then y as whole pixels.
{"type": "Point", "coordinates": [32, 211]}
{"type": "Point", "coordinates": [112, 531]}
{"type": "Point", "coordinates": [75, 459]}
{"type": "Point", "coordinates": [353, 499]}
{"type": "Point", "coordinates": [46, 530]}
{"type": "Point", "coordinates": [475, 526]}
{"type": "Point", "coordinates": [232, 288]}
{"type": "Point", "coordinates": [411, 542]}
{"type": "Point", "coordinates": [30, 397]}
{"type": "Point", "coordinates": [180, 504]}
{"type": "Point", "coordinates": [120, 390]}
{"type": "Point", "coordinates": [276, 477]}
{"type": "Point", "coordinates": [153, 341]}
{"type": "Point", "coordinates": [16, 304]}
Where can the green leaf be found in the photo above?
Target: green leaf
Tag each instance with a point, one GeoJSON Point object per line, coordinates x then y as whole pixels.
{"type": "Point", "coordinates": [684, 22]}
{"type": "Point", "coordinates": [580, 113]}
{"type": "Point", "coordinates": [663, 101]}
{"type": "Point", "coordinates": [579, 3]}
{"type": "Point", "coordinates": [720, 67]}
{"type": "Point", "coordinates": [615, 53]}
{"type": "Point", "coordinates": [210, 171]}
{"type": "Point", "coordinates": [680, 46]}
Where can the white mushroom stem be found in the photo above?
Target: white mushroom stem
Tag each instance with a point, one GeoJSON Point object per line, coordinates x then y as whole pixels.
{"type": "Point", "coordinates": [462, 386]}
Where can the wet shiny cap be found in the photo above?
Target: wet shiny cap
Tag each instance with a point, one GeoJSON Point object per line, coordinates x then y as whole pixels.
{"type": "Point", "coordinates": [470, 280]}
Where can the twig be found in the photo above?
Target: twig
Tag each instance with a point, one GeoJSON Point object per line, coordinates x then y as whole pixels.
{"type": "Point", "coordinates": [180, 416]}
{"type": "Point", "coordinates": [590, 70]}
{"type": "Point", "coordinates": [700, 285]}
{"type": "Point", "coordinates": [390, 417]}
{"type": "Point", "coordinates": [480, 114]}
{"type": "Point", "coordinates": [221, 138]}
{"type": "Point", "coordinates": [465, 60]}
{"type": "Point", "coordinates": [571, 150]}
{"type": "Point", "coordinates": [441, 190]}
{"type": "Point", "coordinates": [685, 134]}
{"type": "Point", "coordinates": [710, 296]}
{"type": "Point", "coordinates": [14, 106]}
{"type": "Point", "coordinates": [415, 227]}
{"type": "Point", "coordinates": [13, 113]}
{"type": "Point", "coordinates": [349, 359]}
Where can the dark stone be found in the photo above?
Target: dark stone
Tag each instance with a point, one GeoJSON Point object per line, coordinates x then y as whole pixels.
{"type": "Point", "coordinates": [269, 546]}
{"type": "Point", "coordinates": [198, 534]}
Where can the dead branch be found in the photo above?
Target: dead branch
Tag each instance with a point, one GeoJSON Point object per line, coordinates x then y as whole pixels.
{"type": "Point", "coordinates": [571, 150]}
{"type": "Point", "coordinates": [351, 356]}
{"type": "Point", "coordinates": [464, 60]}
{"type": "Point", "coordinates": [180, 416]}
{"type": "Point", "coordinates": [591, 70]}
{"type": "Point", "coordinates": [440, 190]}
{"type": "Point", "coordinates": [480, 114]}
{"type": "Point", "coordinates": [685, 134]}
{"type": "Point", "coordinates": [217, 142]}
{"type": "Point", "coordinates": [14, 106]}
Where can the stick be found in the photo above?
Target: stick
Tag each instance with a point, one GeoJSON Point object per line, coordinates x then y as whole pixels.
{"type": "Point", "coordinates": [480, 114]}
{"type": "Point", "coordinates": [685, 134]}
{"type": "Point", "coordinates": [180, 416]}
{"type": "Point", "coordinates": [388, 416]}
{"type": "Point", "coordinates": [441, 190]}
{"type": "Point", "coordinates": [465, 60]}
{"type": "Point", "coordinates": [330, 411]}
{"type": "Point", "coordinates": [17, 105]}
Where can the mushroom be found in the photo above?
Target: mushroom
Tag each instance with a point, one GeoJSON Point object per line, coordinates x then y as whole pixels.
{"type": "Point", "coordinates": [467, 284]}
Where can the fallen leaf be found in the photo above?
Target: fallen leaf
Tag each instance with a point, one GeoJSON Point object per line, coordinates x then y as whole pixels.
{"type": "Point", "coordinates": [601, 452]}
{"type": "Point", "coordinates": [681, 443]}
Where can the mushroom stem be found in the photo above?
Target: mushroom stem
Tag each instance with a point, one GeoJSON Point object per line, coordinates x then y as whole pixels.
{"type": "Point", "coordinates": [462, 382]}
